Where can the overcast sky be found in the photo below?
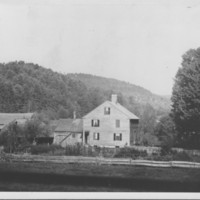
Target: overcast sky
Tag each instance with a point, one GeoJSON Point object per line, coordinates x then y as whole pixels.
{"type": "Point", "coordinates": [137, 41]}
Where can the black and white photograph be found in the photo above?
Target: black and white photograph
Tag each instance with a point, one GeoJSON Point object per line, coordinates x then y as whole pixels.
{"type": "Point", "coordinates": [100, 97]}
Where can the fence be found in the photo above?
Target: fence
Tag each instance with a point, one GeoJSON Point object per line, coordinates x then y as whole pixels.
{"type": "Point", "coordinates": [151, 150]}
{"type": "Point", "coordinates": [100, 161]}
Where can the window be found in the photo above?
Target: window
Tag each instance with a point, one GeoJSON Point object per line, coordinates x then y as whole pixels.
{"type": "Point", "coordinates": [96, 136]}
{"type": "Point", "coordinates": [117, 137]}
{"type": "Point", "coordinates": [73, 135]}
{"type": "Point", "coordinates": [117, 123]}
{"type": "Point", "coordinates": [107, 111]}
{"type": "Point", "coordinates": [95, 123]}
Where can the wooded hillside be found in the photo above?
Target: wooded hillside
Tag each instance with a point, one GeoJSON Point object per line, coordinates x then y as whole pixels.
{"type": "Point", "coordinates": [137, 93]}
{"type": "Point", "coordinates": [28, 87]}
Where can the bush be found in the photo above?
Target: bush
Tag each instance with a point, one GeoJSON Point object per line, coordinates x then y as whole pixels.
{"type": "Point", "coordinates": [24, 148]}
{"type": "Point", "coordinates": [172, 155]}
{"type": "Point", "coordinates": [108, 152]}
{"type": "Point", "coordinates": [182, 156]}
{"type": "Point", "coordinates": [165, 150]}
{"type": "Point", "coordinates": [59, 152]}
{"type": "Point", "coordinates": [80, 150]}
{"type": "Point", "coordinates": [74, 150]}
{"type": "Point", "coordinates": [130, 153]}
{"type": "Point", "coordinates": [44, 149]}
{"type": "Point", "coordinates": [161, 158]}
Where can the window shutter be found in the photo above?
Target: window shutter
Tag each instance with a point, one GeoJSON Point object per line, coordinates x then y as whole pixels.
{"type": "Point", "coordinates": [98, 136]}
{"type": "Point", "coordinates": [92, 122]}
{"type": "Point", "coordinates": [114, 137]}
{"type": "Point", "coordinates": [120, 136]}
{"type": "Point", "coordinates": [106, 110]}
{"type": "Point", "coordinates": [117, 123]}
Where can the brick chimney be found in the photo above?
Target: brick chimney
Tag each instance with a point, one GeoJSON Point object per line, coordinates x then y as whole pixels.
{"type": "Point", "coordinates": [114, 98]}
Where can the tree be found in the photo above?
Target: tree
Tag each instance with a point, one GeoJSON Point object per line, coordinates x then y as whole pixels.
{"type": "Point", "coordinates": [9, 137]}
{"type": "Point", "coordinates": [15, 136]}
{"type": "Point", "coordinates": [165, 131]}
{"type": "Point", "coordinates": [186, 100]}
{"type": "Point", "coordinates": [63, 113]}
{"type": "Point", "coordinates": [147, 124]}
{"type": "Point", "coordinates": [35, 127]}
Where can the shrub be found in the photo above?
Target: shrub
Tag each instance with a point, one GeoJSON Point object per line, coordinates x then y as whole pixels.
{"type": "Point", "coordinates": [171, 155]}
{"type": "Point", "coordinates": [59, 152]}
{"type": "Point", "coordinates": [168, 157]}
{"type": "Point", "coordinates": [165, 150]}
{"type": "Point", "coordinates": [80, 150]}
{"type": "Point", "coordinates": [24, 148]}
{"type": "Point", "coordinates": [130, 153]}
{"type": "Point", "coordinates": [44, 149]}
{"type": "Point", "coordinates": [108, 152]}
{"type": "Point", "coordinates": [74, 150]}
{"type": "Point", "coordinates": [182, 156]}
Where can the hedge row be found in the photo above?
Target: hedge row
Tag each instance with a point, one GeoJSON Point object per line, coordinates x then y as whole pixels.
{"type": "Point", "coordinates": [126, 152]}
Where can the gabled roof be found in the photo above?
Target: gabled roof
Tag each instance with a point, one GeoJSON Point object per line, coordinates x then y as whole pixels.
{"type": "Point", "coordinates": [6, 118]}
{"type": "Point", "coordinates": [70, 125]}
{"type": "Point", "coordinates": [119, 107]}
{"type": "Point", "coordinates": [125, 111]}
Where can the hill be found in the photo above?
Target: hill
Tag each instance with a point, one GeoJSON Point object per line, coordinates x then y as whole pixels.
{"type": "Point", "coordinates": [28, 87]}
{"type": "Point", "coordinates": [137, 93]}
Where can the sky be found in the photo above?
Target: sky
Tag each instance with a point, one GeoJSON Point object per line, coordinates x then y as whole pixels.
{"type": "Point", "coordinates": [137, 41]}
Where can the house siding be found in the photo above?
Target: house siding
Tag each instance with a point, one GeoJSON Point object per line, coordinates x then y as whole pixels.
{"type": "Point", "coordinates": [65, 129]}
{"type": "Point", "coordinates": [107, 126]}
{"type": "Point", "coordinates": [59, 138]}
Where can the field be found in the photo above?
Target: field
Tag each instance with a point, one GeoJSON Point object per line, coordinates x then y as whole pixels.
{"type": "Point", "coordinates": [41, 176]}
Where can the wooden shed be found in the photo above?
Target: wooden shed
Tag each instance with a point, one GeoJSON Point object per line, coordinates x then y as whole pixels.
{"type": "Point", "coordinates": [68, 132]}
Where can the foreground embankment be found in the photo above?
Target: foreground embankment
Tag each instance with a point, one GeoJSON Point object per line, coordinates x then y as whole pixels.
{"type": "Point", "coordinates": [92, 183]}
{"type": "Point", "coordinates": [43, 175]}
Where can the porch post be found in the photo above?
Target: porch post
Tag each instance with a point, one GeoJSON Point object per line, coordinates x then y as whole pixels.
{"type": "Point", "coordinates": [83, 138]}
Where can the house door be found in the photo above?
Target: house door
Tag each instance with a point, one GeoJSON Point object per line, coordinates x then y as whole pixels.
{"type": "Point", "coordinates": [86, 136]}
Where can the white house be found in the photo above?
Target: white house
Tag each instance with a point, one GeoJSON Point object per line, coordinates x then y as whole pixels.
{"type": "Point", "coordinates": [110, 124]}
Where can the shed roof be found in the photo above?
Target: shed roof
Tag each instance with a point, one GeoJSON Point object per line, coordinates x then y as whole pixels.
{"type": "Point", "coordinates": [70, 125]}
{"type": "Point", "coordinates": [6, 118]}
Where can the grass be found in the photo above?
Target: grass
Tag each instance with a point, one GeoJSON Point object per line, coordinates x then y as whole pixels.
{"type": "Point", "coordinates": [36, 187]}
{"type": "Point", "coordinates": [153, 173]}
{"type": "Point", "coordinates": [24, 176]}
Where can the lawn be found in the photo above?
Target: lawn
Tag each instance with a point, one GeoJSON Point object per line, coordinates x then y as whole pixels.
{"type": "Point", "coordinates": [153, 173]}
{"type": "Point", "coordinates": [92, 177]}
